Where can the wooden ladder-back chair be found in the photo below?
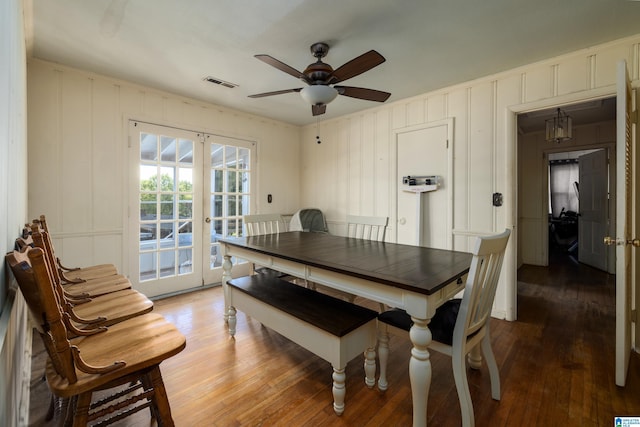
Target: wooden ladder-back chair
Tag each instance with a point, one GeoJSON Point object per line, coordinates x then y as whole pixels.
{"type": "Point", "coordinates": [460, 326]}
{"type": "Point", "coordinates": [126, 355]}
{"type": "Point", "coordinates": [77, 273]}
{"type": "Point", "coordinates": [107, 308]}
{"type": "Point", "coordinates": [367, 227]}
{"type": "Point", "coordinates": [81, 287]}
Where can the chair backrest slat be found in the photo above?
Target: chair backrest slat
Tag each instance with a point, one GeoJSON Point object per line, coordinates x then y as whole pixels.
{"type": "Point", "coordinates": [482, 281]}
{"type": "Point", "coordinates": [31, 270]}
{"type": "Point", "coordinates": [42, 240]}
{"type": "Point", "coordinates": [259, 224]}
{"type": "Point", "coordinates": [367, 227]}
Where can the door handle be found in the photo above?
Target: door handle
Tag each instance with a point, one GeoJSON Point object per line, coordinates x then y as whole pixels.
{"type": "Point", "coordinates": [609, 241]}
{"type": "Point", "coordinates": [207, 220]}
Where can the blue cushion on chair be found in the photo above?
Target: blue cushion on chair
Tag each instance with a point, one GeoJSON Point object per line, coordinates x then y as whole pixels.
{"type": "Point", "coordinates": [441, 324]}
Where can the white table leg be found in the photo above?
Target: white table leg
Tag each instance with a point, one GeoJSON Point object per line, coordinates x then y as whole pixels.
{"type": "Point", "coordinates": [420, 370]}
{"type": "Point", "coordinates": [226, 276]}
{"type": "Point", "coordinates": [339, 390]}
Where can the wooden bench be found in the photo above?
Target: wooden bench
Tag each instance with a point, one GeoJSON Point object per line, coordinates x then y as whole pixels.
{"type": "Point", "coordinates": [333, 329]}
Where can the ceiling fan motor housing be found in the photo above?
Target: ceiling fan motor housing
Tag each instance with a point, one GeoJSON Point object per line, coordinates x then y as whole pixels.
{"type": "Point", "coordinates": [318, 72]}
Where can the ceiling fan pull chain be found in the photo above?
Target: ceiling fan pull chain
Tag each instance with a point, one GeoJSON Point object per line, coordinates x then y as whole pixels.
{"type": "Point", "coordinates": [318, 130]}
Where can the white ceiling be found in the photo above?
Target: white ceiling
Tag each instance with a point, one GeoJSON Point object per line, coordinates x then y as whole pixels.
{"type": "Point", "coordinates": [428, 44]}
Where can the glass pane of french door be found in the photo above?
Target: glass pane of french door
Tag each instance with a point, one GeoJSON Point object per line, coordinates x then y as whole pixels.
{"type": "Point", "coordinates": [166, 209]}
{"type": "Point", "coordinates": [229, 166]}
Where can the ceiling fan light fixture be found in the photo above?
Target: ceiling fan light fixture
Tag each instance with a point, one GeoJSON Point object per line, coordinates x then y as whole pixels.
{"type": "Point", "coordinates": [318, 94]}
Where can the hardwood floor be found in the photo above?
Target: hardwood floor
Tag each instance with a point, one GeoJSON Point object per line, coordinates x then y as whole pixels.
{"type": "Point", "coordinates": [556, 366]}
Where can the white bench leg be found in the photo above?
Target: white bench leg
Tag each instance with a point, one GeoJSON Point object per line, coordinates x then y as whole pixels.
{"type": "Point", "coordinates": [383, 355]}
{"type": "Point", "coordinates": [231, 320]}
{"type": "Point", "coordinates": [475, 358]}
{"type": "Point", "coordinates": [339, 390]}
{"type": "Point", "coordinates": [226, 276]}
{"type": "Point", "coordinates": [370, 367]}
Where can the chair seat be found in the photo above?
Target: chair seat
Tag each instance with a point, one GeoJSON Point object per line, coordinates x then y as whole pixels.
{"type": "Point", "coordinates": [441, 324]}
{"type": "Point", "coordinates": [99, 286]}
{"type": "Point", "coordinates": [141, 342]}
{"type": "Point", "coordinates": [114, 307]}
{"type": "Point", "coordinates": [91, 272]}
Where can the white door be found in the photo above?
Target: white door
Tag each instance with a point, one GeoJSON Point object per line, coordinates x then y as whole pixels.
{"type": "Point", "coordinates": [188, 189]}
{"type": "Point", "coordinates": [593, 209]}
{"type": "Point", "coordinates": [425, 219]}
{"type": "Point", "coordinates": [165, 216]}
{"type": "Point", "coordinates": [627, 222]}
{"type": "Point", "coordinates": [229, 168]}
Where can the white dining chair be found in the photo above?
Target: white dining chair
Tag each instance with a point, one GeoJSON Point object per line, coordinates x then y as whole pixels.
{"type": "Point", "coordinates": [262, 224]}
{"type": "Point", "coordinates": [259, 224]}
{"type": "Point", "coordinates": [367, 227]}
{"type": "Point", "coordinates": [459, 325]}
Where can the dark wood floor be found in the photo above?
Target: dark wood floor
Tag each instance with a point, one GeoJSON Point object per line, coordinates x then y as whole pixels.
{"type": "Point", "coordinates": [556, 365]}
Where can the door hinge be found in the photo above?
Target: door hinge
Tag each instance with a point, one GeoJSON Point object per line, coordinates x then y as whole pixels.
{"type": "Point", "coordinates": [633, 116]}
{"type": "Point", "coordinates": [634, 316]}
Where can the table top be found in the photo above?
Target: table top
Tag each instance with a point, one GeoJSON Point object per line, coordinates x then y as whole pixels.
{"type": "Point", "coordinates": [415, 268]}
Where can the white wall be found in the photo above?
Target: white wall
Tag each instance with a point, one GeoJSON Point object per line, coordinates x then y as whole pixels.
{"type": "Point", "coordinates": [78, 160]}
{"type": "Point", "coordinates": [15, 335]}
{"type": "Point", "coordinates": [353, 170]}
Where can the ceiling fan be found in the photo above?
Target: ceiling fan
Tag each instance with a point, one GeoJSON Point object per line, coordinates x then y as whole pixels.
{"type": "Point", "coordinates": [321, 78]}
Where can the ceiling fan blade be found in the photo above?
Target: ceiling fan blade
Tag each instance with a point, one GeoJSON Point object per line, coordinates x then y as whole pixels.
{"type": "Point", "coordinates": [277, 92]}
{"type": "Point", "coordinates": [362, 93]}
{"type": "Point", "coordinates": [316, 110]}
{"type": "Point", "coordinates": [357, 66]}
{"type": "Point", "coordinates": [282, 67]}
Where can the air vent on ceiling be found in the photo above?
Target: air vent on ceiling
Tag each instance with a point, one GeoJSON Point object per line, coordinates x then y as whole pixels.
{"type": "Point", "coordinates": [219, 82]}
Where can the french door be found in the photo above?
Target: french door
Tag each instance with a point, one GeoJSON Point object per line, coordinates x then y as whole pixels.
{"type": "Point", "coordinates": [187, 190]}
{"type": "Point", "coordinates": [229, 167]}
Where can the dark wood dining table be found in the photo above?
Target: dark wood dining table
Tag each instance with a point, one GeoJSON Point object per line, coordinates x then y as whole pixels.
{"type": "Point", "coordinates": [414, 278]}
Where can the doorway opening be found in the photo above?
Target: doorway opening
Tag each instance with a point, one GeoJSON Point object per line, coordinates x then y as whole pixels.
{"type": "Point", "coordinates": [549, 187]}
